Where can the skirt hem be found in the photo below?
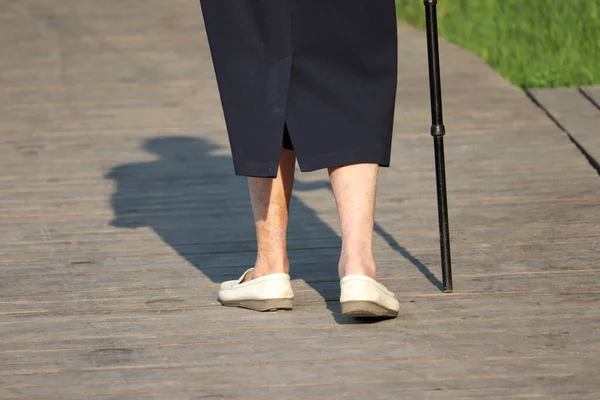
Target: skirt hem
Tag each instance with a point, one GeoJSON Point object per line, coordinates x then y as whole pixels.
{"type": "Point", "coordinates": [379, 156]}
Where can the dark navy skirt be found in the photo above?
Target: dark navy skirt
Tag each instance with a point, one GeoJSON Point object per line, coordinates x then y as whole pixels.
{"type": "Point", "coordinates": [318, 76]}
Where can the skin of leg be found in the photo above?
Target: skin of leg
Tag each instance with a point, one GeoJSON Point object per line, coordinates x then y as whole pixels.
{"type": "Point", "coordinates": [270, 199]}
{"type": "Point", "coordinates": [354, 187]}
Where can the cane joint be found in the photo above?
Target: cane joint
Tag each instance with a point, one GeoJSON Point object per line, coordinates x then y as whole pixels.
{"type": "Point", "coordinates": [438, 130]}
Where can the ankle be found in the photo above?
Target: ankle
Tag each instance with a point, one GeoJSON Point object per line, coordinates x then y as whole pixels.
{"type": "Point", "coordinates": [357, 265]}
{"type": "Point", "coordinates": [268, 266]}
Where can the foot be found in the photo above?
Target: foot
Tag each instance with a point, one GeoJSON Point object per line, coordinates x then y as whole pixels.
{"type": "Point", "coordinates": [363, 297]}
{"type": "Point", "coordinates": [266, 293]}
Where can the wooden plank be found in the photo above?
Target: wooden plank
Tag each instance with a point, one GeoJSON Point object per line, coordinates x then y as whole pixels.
{"type": "Point", "coordinates": [101, 295]}
{"type": "Point", "coordinates": [576, 114]}
{"type": "Point", "coordinates": [553, 332]}
{"type": "Point", "coordinates": [312, 377]}
{"type": "Point", "coordinates": [483, 315]}
{"type": "Point", "coordinates": [593, 93]}
{"type": "Point", "coordinates": [529, 385]}
{"type": "Point", "coordinates": [547, 343]}
{"type": "Point", "coordinates": [309, 266]}
{"type": "Point", "coordinates": [549, 334]}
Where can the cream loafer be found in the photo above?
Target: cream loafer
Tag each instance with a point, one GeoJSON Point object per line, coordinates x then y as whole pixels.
{"type": "Point", "coordinates": [362, 296]}
{"type": "Point", "coordinates": [267, 293]}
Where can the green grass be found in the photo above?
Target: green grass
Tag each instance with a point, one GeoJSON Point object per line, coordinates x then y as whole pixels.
{"type": "Point", "coordinates": [532, 43]}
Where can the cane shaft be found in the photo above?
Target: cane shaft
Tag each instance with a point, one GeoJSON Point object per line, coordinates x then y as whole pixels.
{"type": "Point", "coordinates": [440, 172]}
{"type": "Point", "coordinates": [438, 131]}
{"type": "Point", "coordinates": [435, 84]}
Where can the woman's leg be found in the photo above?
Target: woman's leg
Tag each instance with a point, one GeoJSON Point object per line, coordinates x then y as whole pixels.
{"type": "Point", "coordinates": [354, 188]}
{"type": "Point", "coordinates": [270, 205]}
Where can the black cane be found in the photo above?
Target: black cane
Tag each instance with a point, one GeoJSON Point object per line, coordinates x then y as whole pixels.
{"type": "Point", "coordinates": [438, 131]}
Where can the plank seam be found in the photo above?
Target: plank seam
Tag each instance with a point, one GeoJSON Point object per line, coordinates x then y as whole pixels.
{"type": "Point", "coordinates": [590, 99]}
{"type": "Point", "coordinates": [583, 151]}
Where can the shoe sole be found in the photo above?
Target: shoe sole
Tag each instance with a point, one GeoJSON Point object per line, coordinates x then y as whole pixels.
{"type": "Point", "coordinates": [366, 309]}
{"type": "Point", "coordinates": [260, 305]}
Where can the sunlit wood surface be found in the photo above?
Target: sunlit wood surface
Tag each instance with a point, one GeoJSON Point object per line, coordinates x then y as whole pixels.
{"type": "Point", "coordinates": [120, 215]}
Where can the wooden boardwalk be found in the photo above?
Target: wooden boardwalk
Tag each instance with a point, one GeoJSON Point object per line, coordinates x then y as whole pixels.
{"type": "Point", "coordinates": [120, 215]}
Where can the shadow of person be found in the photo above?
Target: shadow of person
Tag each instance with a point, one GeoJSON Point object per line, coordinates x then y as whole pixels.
{"type": "Point", "coordinates": [190, 197]}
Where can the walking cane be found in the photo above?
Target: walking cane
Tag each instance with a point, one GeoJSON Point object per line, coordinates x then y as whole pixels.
{"type": "Point", "coordinates": [438, 131]}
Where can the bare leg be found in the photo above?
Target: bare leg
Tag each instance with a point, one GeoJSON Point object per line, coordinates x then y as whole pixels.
{"type": "Point", "coordinates": [270, 205]}
{"type": "Point", "coordinates": [354, 188]}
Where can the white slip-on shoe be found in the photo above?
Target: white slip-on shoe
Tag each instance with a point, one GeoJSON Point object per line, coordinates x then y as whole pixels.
{"type": "Point", "coordinates": [267, 293]}
{"type": "Point", "coordinates": [362, 296]}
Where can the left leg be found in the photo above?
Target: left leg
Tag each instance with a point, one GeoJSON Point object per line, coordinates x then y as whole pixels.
{"type": "Point", "coordinates": [270, 206]}
{"type": "Point", "coordinates": [266, 286]}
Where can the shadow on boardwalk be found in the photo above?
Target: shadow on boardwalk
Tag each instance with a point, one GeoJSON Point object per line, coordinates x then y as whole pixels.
{"type": "Point", "coordinates": [189, 196]}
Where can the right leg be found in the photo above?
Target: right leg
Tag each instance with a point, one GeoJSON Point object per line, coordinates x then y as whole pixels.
{"type": "Point", "coordinates": [354, 187]}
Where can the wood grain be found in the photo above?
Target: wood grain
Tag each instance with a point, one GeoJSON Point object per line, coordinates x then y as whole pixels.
{"type": "Point", "coordinates": [120, 215]}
